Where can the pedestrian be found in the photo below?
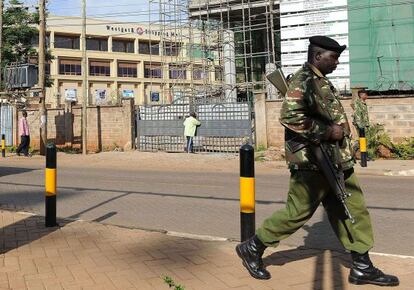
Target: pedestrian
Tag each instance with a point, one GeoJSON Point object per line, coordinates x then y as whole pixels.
{"type": "Point", "coordinates": [360, 115]}
{"type": "Point", "coordinates": [311, 111]}
{"type": "Point", "coordinates": [24, 136]}
{"type": "Point", "coordinates": [190, 127]}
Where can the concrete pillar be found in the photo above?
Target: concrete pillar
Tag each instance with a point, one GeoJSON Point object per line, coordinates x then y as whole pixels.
{"type": "Point", "coordinates": [139, 98]}
{"type": "Point", "coordinates": [140, 73]}
{"type": "Point", "coordinates": [52, 40]}
{"type": "Point", "coordinates": [136, 46]}
{"type": "Point", "coordinates": [260, 119]}
{"type": "Point", "coordinates": [114, 68]}
{"type": "Point", "coordinates": [272, 92]}
{"type": "Point", "coordinates": [229, 66]}
{"type": "Point", "coordinates": [110, 43]}
{"type": "Point", "coordinates": [128, 126]}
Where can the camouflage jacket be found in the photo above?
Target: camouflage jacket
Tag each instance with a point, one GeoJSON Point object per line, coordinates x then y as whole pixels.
{"type": "Point", "coordinates": [310, 106]}
{"type": "Point", "coordinates": [360, 116]}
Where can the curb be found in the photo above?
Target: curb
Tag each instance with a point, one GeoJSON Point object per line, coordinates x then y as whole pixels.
{"type": "Point", "coordinates": [409, 172]}
{"type": "Point", "coordinates": [385, 172]}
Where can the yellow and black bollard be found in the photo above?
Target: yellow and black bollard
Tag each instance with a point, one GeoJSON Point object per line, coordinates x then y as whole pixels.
{"type": "Point", "coordinates": [3, 145]}
{"type": "Point", "coordinates": [363, 147]}
{"type": "Point", "coordinates": [247, 193]}
{"type": "Point", "coordinates": [50, 185]}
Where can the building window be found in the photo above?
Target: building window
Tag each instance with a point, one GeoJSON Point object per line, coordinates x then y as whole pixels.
{"type": "Point", "coordinates": [70, 67]}
{"type": "Point", "coordinates": [219, 73]}
{"type": "Point", "coordinates": [146, 47]}
{"type": "Point", "coordinates": [100, 44]}
{"type": "Point", "coordinates": [99, 68]}
{"type": "Point", "coordinates": [123, 46]}
{"type": "Point", "coordinates": [127, 70]}
{"type": "Point", "coordinates": [152, 70]}
{"type": "Point", "coordinates": [172, 48]}
{"type": "Point", "coordinates": [177, 72]}
{"type": "Point", "coordinates": [35, 41]}
{"type": "Point", "coordinates": [33, 60]}
{"type": "Point", "coordinates": [67, 41]}
{"type": "Point", "coordinates": [199, 73]}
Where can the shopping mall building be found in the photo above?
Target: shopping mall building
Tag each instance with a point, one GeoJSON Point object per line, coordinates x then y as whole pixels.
{"type": "Point", "coordinates": [148, 63]}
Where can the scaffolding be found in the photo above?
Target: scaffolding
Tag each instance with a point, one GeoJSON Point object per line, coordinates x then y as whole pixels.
{"type": "Point", "coordinates": [213, 49]}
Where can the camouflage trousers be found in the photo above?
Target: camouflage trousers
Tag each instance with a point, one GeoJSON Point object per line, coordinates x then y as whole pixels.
{"type": "Point", "coordinates": [307, 189]}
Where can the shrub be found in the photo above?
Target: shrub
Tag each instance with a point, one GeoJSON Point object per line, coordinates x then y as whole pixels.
{"type": "Point", "coordinates": [404, 150]}
{"type": "Point", "coordinates": [377, 136]}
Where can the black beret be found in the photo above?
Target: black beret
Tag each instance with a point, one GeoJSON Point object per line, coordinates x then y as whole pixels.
{"type": "Point", "coordinates": [327, 43]}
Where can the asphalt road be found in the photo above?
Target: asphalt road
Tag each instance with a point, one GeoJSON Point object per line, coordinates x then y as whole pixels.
{"type": "Point", "coordinates": [198, 202]}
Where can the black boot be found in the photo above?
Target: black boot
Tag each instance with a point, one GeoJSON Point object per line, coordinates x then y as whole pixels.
{"type": "Point", "coordinates": [251, 252]}
{"type": "Point", "coordinates": [364, 272]}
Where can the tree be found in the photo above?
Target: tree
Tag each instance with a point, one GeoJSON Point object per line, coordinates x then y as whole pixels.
{"type": "Point", "coordinates": [20, 34]}
{"type": "Point", "coordinates": [19, 31]}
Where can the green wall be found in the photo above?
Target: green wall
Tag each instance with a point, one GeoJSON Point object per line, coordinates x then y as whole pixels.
{"type": "Point", "coordinates": [381, 33]}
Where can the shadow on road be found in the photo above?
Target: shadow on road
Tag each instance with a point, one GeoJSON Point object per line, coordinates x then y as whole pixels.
{"type": "Point", "coordinates": [329, 256]}
{"type": "Point", "coordinates": [4, 171]}
{"type": "Point", "coordinates": [206, 197]}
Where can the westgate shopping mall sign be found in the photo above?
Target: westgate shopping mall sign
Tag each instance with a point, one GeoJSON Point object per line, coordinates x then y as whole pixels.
{"type": "Point", "coordinates": [140, 31]}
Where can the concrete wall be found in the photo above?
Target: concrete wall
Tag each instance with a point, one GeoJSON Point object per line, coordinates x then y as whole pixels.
{"type": "Point", "coordinates": [108, 127]}
{"type": "Point", "coordinates": [396, 113]}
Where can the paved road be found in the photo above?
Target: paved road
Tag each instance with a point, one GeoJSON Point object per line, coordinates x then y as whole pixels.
{"type": "Point", "coordinates": [200, 202]}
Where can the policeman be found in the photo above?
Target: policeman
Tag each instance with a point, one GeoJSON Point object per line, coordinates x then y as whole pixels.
{"type": "Point", "coordinates": [360, 116]}
{"type": "Point", "coordinates": [312, 111]}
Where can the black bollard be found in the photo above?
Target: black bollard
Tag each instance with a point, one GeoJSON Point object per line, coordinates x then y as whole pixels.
{"type": "Point", "coordinates": [50, 185]}
{"type": "Point", "coordinates": [247, 193]}
{"type": "Point", "coordinates": [3, 145]}
{"type": "Point", "coordinates": [363, 147]}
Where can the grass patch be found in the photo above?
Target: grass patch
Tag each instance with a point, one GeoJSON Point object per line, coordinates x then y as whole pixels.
{"type": "Point", "coordinates": [170, 282]}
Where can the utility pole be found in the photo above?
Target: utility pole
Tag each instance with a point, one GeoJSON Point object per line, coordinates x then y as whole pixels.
{"type": "Point", "coordinates": [42, 79]}
{"type": "Point", "coordinates": [85, 82]}
{"type": "Point", "coordinates": [1, 44]}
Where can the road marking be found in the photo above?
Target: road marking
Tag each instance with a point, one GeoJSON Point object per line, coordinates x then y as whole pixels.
{"type": "Point", "coordinates": [195, 236]}
{"type": "Point", "coordinates": [26, 213]}
{"type": "Point", "coordinates": [392, 255]}
{"type": "Point", "coordinates": [401, 173]}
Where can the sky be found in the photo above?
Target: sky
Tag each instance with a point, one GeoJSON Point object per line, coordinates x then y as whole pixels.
{"type": "Point", "coordinates": [119, 10]}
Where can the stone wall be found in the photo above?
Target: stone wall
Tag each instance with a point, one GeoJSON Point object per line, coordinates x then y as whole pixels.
{"type": "Point", "coordinates": [108, 127]}
{"type": "Point", "coordinates": [396, 113]}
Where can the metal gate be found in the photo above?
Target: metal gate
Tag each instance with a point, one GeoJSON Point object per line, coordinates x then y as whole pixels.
{"type": "Point", "coordinates": [224, 126]}
{"type": "Point", "coordinates": [6, 123]}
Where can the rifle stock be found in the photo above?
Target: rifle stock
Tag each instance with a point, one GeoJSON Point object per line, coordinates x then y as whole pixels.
{"type": "Point", "coordinates": [277, 78]}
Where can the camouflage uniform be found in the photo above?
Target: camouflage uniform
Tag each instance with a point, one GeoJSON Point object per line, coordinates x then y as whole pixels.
{"type": "Point", "coordinates": [310, 107]}
{"type": "Point", "coordinates": [360, 116]}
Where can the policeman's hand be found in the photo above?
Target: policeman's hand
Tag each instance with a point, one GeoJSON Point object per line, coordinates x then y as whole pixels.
{"type": "Point", "coordinates": [337, 133]}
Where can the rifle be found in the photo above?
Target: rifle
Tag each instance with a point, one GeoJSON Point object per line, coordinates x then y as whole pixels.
{"type": "Point", "coordinates": [333, 174]}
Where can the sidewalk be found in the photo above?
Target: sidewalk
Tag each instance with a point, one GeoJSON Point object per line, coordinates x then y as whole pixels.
{"type": "Point", "coordinates": [387, 167]}
{"type": "Point", "coordinates": [83, 255]}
